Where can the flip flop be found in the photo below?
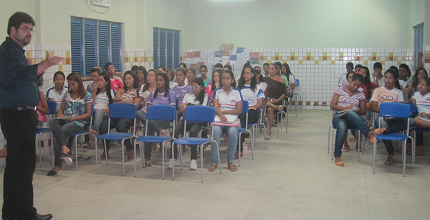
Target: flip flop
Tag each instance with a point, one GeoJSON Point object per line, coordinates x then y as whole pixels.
{"type": "Point", "coordinates": [52, 173]}
{"type": "Point", "coordinates": [389, 163]}
{"type": "Point", "coordinates": [377, 131]}
{"type": "Point", "coordinates": [340, 163]}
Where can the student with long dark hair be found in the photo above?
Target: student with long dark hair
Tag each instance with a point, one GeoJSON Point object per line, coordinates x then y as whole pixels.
{"type": "Point", "coordinates": [76, 104]}
{"type": "Point", "coordinates": [141, 74]}
{"type": "Point", "coordinates": [102, 98]}
{"type": "Point", "coordinates": [390, 92]}
{"type": "Point", "coordinates": [162, 95]}
{"type": "Point", "coordinates": [127, 94]}
{"type": "Point", "coordinates": [58, 90]}
{"type": "Point", "coordinates": [215, 84]}
{"type": "Point", "coordinates": [345, 98]}
{"type": "Point", "coordinates": [198, 97]}
{"type": "Point", "coordinates": [252, 93]}
{"type": "Point", "coordinates": [275, 93]}
{"type": "Point", "coordinates": [227, 101]}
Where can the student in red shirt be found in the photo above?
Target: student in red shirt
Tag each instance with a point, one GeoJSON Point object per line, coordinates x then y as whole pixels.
{"type": "Point", "coordinates": [115, 82]}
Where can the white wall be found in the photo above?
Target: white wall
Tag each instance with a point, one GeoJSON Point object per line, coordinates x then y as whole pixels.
{"type": "Point", "coordinates": [295, 24]}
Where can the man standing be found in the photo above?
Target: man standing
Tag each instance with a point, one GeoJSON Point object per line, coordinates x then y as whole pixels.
{"type": "Point", "coordinates": [19, 95]}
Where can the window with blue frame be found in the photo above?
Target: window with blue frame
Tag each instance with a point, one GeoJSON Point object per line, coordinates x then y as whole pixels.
{"type": "Point", "coordinates": [93, 43]}
{"type": "Point", "coordinates": [166, 48]}
{"type": "Point", "coordinates": [418, 42]}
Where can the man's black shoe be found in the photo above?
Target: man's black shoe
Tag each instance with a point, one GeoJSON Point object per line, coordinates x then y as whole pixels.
{"type": "Point", "coordinates": [42, 217]}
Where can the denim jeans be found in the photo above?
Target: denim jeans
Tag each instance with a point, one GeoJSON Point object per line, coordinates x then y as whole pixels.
{"type": "Point", "coordinates": [232, 142]}
{"type": "Point", "coordinates": [98, 118]}
{"type": "Point", "coordinates": [400, 126]}
{"type": "Point", "coordinates": [122, 125]}
{"type": "Point", "coordinates": [349, 120]}
{"type": "Point", "coordinates": [60, 130]}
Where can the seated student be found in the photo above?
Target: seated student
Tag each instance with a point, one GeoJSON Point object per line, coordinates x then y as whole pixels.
{"type": "Point", "coordinates": [134, 68]}
{"type": "Point", "coordinates": [266, 69]}
{"type": "Point", "coordinates": [162, 95]}
{"type": "Point", "coordinates": [42, 108]}
{"type": "Point", "coordinates": [56, 93]}
{"type": "Point", "coordinates": [252, 93]}
{"type": "Point", "coordinates": [228, 67]}
{"type": "Point", "coordinates": [218, 66]}
{"type": "Point", "coordinates": [141, 74]}
{"type": "Point", "coordinates": [161, 69]}
{"type": "Point", "coordinates": [404, 72]}
{"type": "Point", "coordinates": [181, 89]}
{"type": "Point", "coordinates": [203, 73]}
{"type": "Point", "coordinates": [77, 105]}
{"type": "Point", "coordinates": [420, 100]}
{"type": "Point", "coordinates": [390, 92]}
{"type": "Point", "coordinates": [347, 98]}
{"type": "Point", "coordinates": [215, 84]}
{"type": "Point", "coordinates": [275, 93]}
{"type": "Point", "coordinates": [95, 72]}
{"type": "Point", "coordinates": [127, 94]}
{"type": "Point", "coordinates": [279, 72]}
{"type": "Point", "coordinates": [102, 98]}
{"type": "Point", "coordinates": [402, 84]}
{"type": "Point", "coordinates": [411, 89]}
{"type": "Point", "coordinates": [357, 68]}
{"type": "Point", "coordinates": [183, 65]}
{"type": "Point", "coordinates": [377, 76]}
{"type": "Point", "coordinates": [291, 85]}
{"type": "Point", "coordinates": [343, 80]}
{"type": "Point", "coordinates": [367, 87]}
{"type": "Point", "coordinates": [115, 82]}
{"type": "Point", "coordinates": [171, 75]}
{"type": "Point", "coordinates": [227, 100]}
{"type": "Point", "coordinates": [197, 97]}
{"type": "Point", "coordinates": [191, 74]}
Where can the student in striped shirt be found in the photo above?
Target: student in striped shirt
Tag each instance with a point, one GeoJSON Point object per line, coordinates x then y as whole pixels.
{"type": "Point", "coordinates": [348, 98]}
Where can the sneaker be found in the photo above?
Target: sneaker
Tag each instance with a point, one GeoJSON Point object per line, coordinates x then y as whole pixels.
{"type": "Point", "coordinates": [66, 158]}
{"type": "Point", "coordinates": [193, 165]}
{"type": "Point", "coordinates": [172, 163]}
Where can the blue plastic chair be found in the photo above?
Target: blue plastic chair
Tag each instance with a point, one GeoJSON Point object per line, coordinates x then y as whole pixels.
{"type": "Point", "coordinates": [81, 134]}
{"type": "Point", "coordinates": [240, 131]}
{"type": "Point", "coordinates": [414, 110]}
{"type": "Point", "coordinates": [198, 114]}
{"type": "Point", "coordinates": [158, 113]}
{"type": "Point", "coordinates": [52, 106]}
{"type": "Point", "coordinates": [397, 110]}
{"type": "Point", "coordinates": [331, 134]}
{"type": "Point", "coordinates": [118, 110]}
{"type": "Point", "coordinates": [258, 123]}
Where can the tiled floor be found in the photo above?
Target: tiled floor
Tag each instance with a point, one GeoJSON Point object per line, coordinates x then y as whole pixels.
{"type": "Point", "coordinates": [294, 178]}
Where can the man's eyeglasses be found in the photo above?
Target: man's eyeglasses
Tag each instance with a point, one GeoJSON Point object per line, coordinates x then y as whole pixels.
{"type": "Point", "coordinates": [27, 29]}
{"type": "Point", "coordinates": [195, 87]}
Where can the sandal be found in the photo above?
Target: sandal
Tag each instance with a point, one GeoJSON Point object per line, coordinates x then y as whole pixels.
{"type": "Point", "coordinates": [376, 131]}
{"type": "Point", "coordinates": [148, 163]}
{"type": "Point", "coordinates": [164, 132]}
{"type": "Point", "coordinates": [212, 167]}
{"type": "Point", "coordinates": [232, 167]}
{"type": "Point", "coordinates": [389, 163]}
{"type": "Point", "coordinates": [346, 149]}
{"type": "Point", "coordinates": [340, 163]}
{"type": "Point", "coordinates": [236, 155]}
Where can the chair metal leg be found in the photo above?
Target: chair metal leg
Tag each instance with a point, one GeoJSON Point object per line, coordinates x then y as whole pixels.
{"type": "Point", "coordinates": [374, 153]}
{"type": "Point", "coordinates": [201, 162]}
{"type": "Point", "coordinates": [76, 152]}
{"type": "Point", "coordinates": [359, 145]}
{"type": "Point", "coordinates": [97, 155]}
{"type": "Point", "coordinates": [404, 157]}
{"type": "Point", "coordinates": [240, 145]}
{"type": "Point", "coordinates": [134, 160]}
{"type": "Point", "coordinates": [123, 164]}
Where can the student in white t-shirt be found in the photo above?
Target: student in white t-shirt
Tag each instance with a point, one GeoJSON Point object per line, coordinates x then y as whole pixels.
{"type": "Point", "coordinates": [390, 92]}
{"type": "Point", "coordinates": [56, 93]}
{"type": "Point", "coordinates": [227, 101]}
{"type": "Point", "coordinates": [343, 79]}
{"type": "Point", "coordinates": [252, 93]}
{"type": "Point", "coordinates": [421, 100]}
{"type": "Point", "coordinates": [102, 98]}
{"type": "Point", "coordinates": [198, 97]}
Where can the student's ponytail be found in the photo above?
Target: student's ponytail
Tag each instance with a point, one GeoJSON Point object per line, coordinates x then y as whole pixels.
{"type": "Point", "coordinates": [395, 74]}
{"type": "Point", "coordinates": [397, 84]}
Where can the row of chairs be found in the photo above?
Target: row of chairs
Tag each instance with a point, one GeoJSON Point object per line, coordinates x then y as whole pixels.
{"type": "Point", "coordinates": [390, 109]}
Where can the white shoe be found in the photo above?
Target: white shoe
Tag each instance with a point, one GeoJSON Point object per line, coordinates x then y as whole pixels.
{"type": "Point", "coordinates": [66, 158]}
{"type": "Point", "coordinates": [172, 163]}
{"type": "Point", "coordinates": [193, 165]}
